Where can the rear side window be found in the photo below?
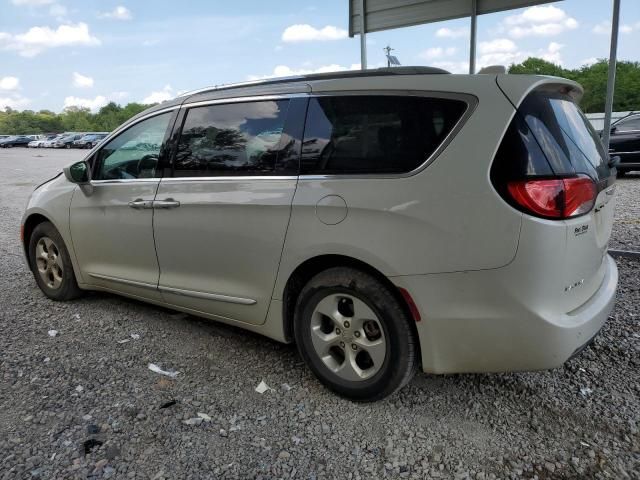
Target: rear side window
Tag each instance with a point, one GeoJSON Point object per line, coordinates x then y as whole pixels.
{"type": "Point", "coordinates": [564, 134]}
{"type": "Point", "coordinates": [231, 139]}
{"type": "Point", "coordinates": [375, 134]}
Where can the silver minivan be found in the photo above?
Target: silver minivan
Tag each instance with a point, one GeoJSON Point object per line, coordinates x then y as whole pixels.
{"type": "Point", "coordinates": [385, 220]}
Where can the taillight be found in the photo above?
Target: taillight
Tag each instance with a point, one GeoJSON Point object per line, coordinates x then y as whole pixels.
{"type": "Point", "coordinates": [556, 198]}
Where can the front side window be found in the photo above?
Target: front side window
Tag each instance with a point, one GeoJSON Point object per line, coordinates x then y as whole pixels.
{"type": "Point", "coordinates": [358, 134]}
{"type": "Point", "coordinates": [134, 153]}
{"type": "Point", "coordinates": [231, 139]}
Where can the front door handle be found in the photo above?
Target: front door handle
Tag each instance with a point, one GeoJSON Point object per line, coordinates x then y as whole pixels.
{"type": "Point", "coordinates": [140, 204]}
{"type": "Point", "coordinates": [168, 203]}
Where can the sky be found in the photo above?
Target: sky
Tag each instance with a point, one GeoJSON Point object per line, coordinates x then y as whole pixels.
{"type": "Point", "coordinates": [58, 53]}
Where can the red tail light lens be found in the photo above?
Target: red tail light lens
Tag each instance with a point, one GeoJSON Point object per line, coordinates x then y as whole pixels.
{"type": "Point", "coordinates": [554, 198]}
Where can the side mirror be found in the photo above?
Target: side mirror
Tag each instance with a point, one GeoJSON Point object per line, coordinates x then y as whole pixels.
{"type": "Point", "coordinates": [613, 129]}
{"type": "Point", "coordinates": [80, 174]}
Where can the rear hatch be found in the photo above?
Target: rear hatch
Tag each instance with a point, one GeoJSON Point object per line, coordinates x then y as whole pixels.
{"type": "Point", "coordinates": [552, 165]}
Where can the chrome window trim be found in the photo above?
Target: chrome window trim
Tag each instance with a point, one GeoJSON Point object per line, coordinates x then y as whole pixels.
{"type": "Point", "coordinates": [249, 99]}
{"type": "Point", "coordinates": [235, 178]}
{"type": "Point", "coordinates": [470, 100]}
{"type": "Point", "coordinates": [127, 181]}
{"type": "Point", "coordinates": [208, 296]}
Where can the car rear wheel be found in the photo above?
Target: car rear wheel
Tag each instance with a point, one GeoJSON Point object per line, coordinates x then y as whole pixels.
{"type": "Point", "coordinates": [51, 264]}
{"type": "Point", "coordinates": [354, 334]}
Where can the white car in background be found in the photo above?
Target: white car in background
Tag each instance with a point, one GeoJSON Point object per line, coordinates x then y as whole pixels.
{"type": "Point", "coordinates": [386, 221]}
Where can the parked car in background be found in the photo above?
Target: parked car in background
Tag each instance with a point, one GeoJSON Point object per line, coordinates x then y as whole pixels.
{"type": "Point", "coordinates": [384, 220]}
{"type": "Point", "coordinates": [39, 143]}
{"type": "Point", "coordinates": [15, 141]}
{"type": "Point", "coordinates": [624, 142]}
{"type": "Point", "coordinates": [67, 141]}
{"type": "Point", "coordinates": [89, 140]}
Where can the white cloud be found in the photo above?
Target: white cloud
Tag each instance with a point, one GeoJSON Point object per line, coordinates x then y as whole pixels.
{"type": "Point", "coordinates": [15, 102]}
{"type": "Point", "coordinates": [604, 28]}
{"type": "Point", "coordinates": [58, 11]}
{"type": "Point", "coordinates": [9, 83]}
{"type": "Point", "coordinates": [159, 96]}
{"type": "Point", "coordinates": [37, 39]}
{"type": "Point", "coordinates": [90, 103]}
{"type": "Point", "coordinates": [541, 21]}
{"type": "Point", "coordinates": [507, 53]}
{"type": "Point", "coordinates": [119, 13]}
{"type": "Point", "coordinates": [452, 32]}
{"type": "Point", "coordinates": [499, 45]}
{"type": "Point", "coordinates": [306, 33]}
{"type": "Point", "coordinates": [437, 52]}
{"type": "Point", "coordinates": [81, 81]}
{"type": "Point", "coordinates": [587, 62]}
{"type": "Point", "coordinates": [32, 3]}
{"type": "Point", "coordinates": [285, 71]}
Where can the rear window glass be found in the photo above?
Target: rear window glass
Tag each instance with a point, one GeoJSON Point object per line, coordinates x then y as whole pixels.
{"type": "Point", "coordinates": [564, 134]}
{"type": "Point", "coordinates": [375, 134]}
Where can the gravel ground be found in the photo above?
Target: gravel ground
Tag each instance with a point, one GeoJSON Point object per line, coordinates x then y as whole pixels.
{"type": "Point", "coordinates": [83, 404]}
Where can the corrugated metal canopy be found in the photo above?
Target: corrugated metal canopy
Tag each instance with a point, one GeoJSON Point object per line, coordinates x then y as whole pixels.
{"type": "Point", "coordinates": [387, 14]}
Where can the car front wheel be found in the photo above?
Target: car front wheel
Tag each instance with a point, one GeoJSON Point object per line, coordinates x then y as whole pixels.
{"type": "Point", "coordinates": [354, 334]}
{"type": "Point", "coordinates": [51, 264]}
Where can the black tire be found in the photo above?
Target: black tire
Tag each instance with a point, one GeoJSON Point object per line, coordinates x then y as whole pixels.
{"type": "Point", "coordinates": [68, 289]}
{"type": "Point", "coordinates": [401, 358]}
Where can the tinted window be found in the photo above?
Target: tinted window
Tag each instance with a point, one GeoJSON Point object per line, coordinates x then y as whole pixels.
{"type": "Point", "coordinates": [135, 152]}
{"type": "Point", "coordinates": [565, 135]}
{"type": "Point", "coordinates": [231, 139]}
{"type": "Point", "coordinates": [629, 124]}
{"type": "Point", "coordinates": [375, 134]}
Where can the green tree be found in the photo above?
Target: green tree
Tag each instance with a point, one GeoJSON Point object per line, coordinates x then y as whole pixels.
{"type": "Point", "coordinates": [593, 79]}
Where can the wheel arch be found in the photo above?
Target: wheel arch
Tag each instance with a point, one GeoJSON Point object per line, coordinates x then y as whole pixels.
{"type": "Point", "coordinates": [314, 265]}
{"type": "Point", "coordinates": [29, 225]}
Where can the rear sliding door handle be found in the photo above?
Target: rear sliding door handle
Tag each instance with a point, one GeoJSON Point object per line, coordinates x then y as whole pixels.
{"type": "Point", "coordinates": [140, 204]}
{"type": "Point", "coordinates": [168, 203]}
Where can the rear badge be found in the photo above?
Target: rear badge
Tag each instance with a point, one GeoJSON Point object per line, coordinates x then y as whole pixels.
{"type": "Point", "coordinates": [580, 230]}
{"type": "Point", "coordinates": [579, 283]}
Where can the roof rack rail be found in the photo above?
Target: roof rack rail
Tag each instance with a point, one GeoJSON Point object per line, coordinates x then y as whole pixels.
{"type": "Point", "coordinates": [374, 72]}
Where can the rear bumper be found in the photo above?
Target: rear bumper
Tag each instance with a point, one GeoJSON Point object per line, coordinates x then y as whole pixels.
{"type": "Point", "coordinates": [474, 322]}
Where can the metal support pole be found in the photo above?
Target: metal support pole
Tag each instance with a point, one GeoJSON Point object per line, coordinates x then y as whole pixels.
{"type": "Point", "coordinates": [363, 36]}
{"type": "Point", "coordinates": [611, 80]}
{"type": "Point", "coordinates": [472, 44]}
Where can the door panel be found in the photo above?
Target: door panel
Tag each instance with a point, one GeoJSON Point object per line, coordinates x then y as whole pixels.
{"type": "Point", "coordinates": [113, 241]}
{"type": "Point", "coordinates": [112, 227]}
{"type": "Point", "coordinates": [220, 241]}
{"type": "Point", "coordinates": [224, 240]}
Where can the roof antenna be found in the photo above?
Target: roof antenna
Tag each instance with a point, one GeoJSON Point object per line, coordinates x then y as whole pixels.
{"type": "Point", "coordinates": [391, 59]}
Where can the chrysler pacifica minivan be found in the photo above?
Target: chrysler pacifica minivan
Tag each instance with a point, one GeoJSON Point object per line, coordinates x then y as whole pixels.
{"type": "Point", "coordinates": [384, 221]}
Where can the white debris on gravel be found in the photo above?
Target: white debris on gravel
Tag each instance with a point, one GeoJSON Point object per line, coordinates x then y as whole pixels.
{"type": "Point", "coordinates": [169, 373]}
{"type": "Point", "coordinates": [135, 336]}
{"type": "Point", "coordinates": [52, 333]}
{"type": "Point", "coordinates": [204, 416]}
{"type": "Point", "coordinates": [263, 387]}
{"type": "Point", "coordinates": [586, 391]}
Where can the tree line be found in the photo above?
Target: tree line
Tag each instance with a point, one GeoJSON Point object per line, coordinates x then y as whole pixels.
{"type": "Point", "coordinates": [71, 119]}
{"type": "Point", "coordinates": [593, 79]}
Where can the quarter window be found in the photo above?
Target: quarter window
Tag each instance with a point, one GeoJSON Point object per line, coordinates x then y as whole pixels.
{"type": "Point", "coordinates": [231, 139]}
{"type": "Point", "coordinates": [375, 134]}
{"type": "Point", "coordinates": [135, 152]}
